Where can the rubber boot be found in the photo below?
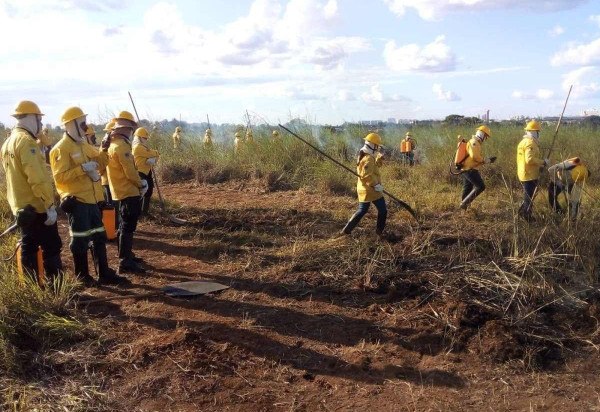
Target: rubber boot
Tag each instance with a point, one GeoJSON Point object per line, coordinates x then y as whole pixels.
{"type": "Point", "coordinates": [467, 200]}
{"type": "Point", "coordinates": [126, 262]}
{"type": "Point", "coordinates": [30, 266]}
{"type": "Point", "coordinates": [82, 271]}
{"type": "Point", "coordinates": [106, 275]}
{"type": "Point", "coordinates": [53, 270]}
{"type": "Point", "coordinates": [352, 223]}
{"type": "Point", "coordinates": [145, 206]}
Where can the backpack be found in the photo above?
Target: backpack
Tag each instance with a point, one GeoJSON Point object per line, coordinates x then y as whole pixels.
{"type": "Point", "coordinates": [461, 153]}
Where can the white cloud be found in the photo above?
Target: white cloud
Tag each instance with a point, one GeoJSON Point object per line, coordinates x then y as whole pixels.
{"type": "Point", "coordinates": [595, 18]}
{"type": "Point", "coordinates": [436, 9]}
{"type": "Point", "coordinates": [376, 95]}
{"type": "Point", "coordinates": [446, 95]}
{"type": "Point", "coordinates": [556, 30]}
{"type": "Point", "coordinates": [585, 82]}
{"type": "Point", "coordinates": [541, 94]}
{"type": "Point", "coordinates": [329, 53]}
{"type": "Point", "coordinates": [578, 54]}
{"type": "Point", "coordinates": [345, 95]}
{"type": "Point", "coordinates": [433, 57]}
{"type": "Point", "coordinates": [301, 93]}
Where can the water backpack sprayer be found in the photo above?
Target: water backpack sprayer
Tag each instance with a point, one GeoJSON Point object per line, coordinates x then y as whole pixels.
{"type": "Point", "coordinates": [407, 146]}
{"type": "Point", "coordinates": [459, 157]}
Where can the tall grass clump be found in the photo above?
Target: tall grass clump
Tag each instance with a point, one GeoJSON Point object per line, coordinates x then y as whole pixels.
{"type": "Point", "coordinates": [32, 319]}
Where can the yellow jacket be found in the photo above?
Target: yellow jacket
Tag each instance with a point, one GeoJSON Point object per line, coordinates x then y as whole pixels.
{"type": "Point", "coordinates": [123, 177]}
{"type": "Point", "coordinates": [368, 170]}
{"type": "Point", "coordinates": [66, 158]}
{"type": "Point", "coordinates": [475, 158]}
{"type": "Point", "coordinates": [529, 159]}
{"type": "Point", "coordinates": [141, 153]}
{"type": "Point", "coordinates": [101, 158]}
{"type": "Point", "coordinates": [28, 181]}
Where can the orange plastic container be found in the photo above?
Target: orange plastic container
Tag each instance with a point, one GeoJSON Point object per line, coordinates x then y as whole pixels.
{"type": "Point", "coordinates": [461, 152]}
{"type": "Point", "coordinates": [109, 221]}
{"type": "Point", "coordinates": [406, 146]}
{"type": "Point", "coordinates": [40, 263]}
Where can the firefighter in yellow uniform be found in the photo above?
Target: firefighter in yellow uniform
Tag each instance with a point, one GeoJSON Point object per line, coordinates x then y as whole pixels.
{"type": "Point", "coordinates": [369, 186]}
{"type": "Point", "coordinates": [126, 187]}
{"type": "Point", "coordinates": [45, 143]}
{"type": "Point", "coordinates": [529, 165]}
{"type": "Point", "coordinates": [30, 193]}
{"type": "Point", "coordinates": [275, 135]}
{"type": "Point", "coordinates": [103, 173]}
{"type": "Point", "coordinates": [99, 157]}
{"type": "Point", "coordinates": [567, 177]}
{"type": "Point", "coordinates": [177, 137]}
{"type": "Point", "coordinates": [237, 142]}
{"type": "Point", "coordinates": [473, 184]}
{"type": "Point", "coordinates": [407, 148]}
{"type": "Point", "coordinates": [144, 158]}
{"type": "Point", "coordinates": [78, 183]}
{"type": "Point", "coordinates": [208, 138]}
{"type": "Point", "coordinates": [249, 136]}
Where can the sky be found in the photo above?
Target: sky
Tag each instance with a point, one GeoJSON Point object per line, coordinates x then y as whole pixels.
{"type": "Point", "coordinates": [326, 61]}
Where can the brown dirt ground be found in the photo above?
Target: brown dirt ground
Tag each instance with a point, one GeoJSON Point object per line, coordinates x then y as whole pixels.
{"type": "Point", "coordinates": [273, 342]}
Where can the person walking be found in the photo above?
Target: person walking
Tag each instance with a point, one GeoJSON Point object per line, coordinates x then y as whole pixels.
{"type": "Point", "coordinates": [369, 186]}
{"type": "Point", "coordinates": [473, 184]}
{"type": "Point", "coordinates": [407, 148]}
{"type": "Point", "coordinates": [529, 166]}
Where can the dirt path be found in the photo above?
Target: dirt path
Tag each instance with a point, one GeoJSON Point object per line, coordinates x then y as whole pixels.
{"type": "Point", "coordinates": [275, 341]}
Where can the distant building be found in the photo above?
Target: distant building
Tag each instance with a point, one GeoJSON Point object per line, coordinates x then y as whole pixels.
{"type": "Point", "coordinates": [392, 120]}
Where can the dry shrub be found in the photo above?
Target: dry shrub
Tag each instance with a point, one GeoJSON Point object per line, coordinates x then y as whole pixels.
{"type": "Point", "coordinates": [175, 172]}
{"type": "Point", "coordinates": [276, 181]}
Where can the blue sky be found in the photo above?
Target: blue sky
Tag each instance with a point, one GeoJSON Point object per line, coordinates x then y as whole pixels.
{"type": "Point", "coordinates": [325, 60]}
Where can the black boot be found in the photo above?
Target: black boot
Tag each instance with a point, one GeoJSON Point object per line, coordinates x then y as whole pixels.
{"type": "Point", "coordinates": [53, 270]}
{"type": "Point", "coordinates": [145, 206]}
{"type": "Point", "coordinates": [106, 275]}
{"type": "Point", "coordinates": [467, 200]}
{"type": "Point", "coordinates": [126, 262]}
{"type": "Point", "coordinates": [82, 271]}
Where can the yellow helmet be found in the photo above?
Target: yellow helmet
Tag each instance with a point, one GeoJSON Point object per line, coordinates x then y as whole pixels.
{"type": "Point", "coordinates": [373, 138]}
{"type": "Point", "coordinates": [109, 126]}
{"type": "Point", "coordinates": [249, 132]}
{"type": "Point", "coordinates": [26, 107]}
{"type": "Point", "coordinates": [125, 119]}
{"type": "Point", "coordinates": [178, 129]}
{"type": "Point", "coordinates": [70, 114]}
{"type": "Point", "coordinates": [408, 134]}
{"type": "Point", "coordinates": [275, 133]}
{"type": "Point", "coordinates": [485, 130]}
{"type": "Point", "coordinates": [533, 125]}
{"type": "Point", "coordinates": [141, 132]}
{"type": "Point", "coordinates": [125, 115]}
{"type": "Point", "coordinates": [90, 131]}
{"type": "Point", "coordinates": [580, 173]}
{"type": "Point", "coordinates": [237, 134]}
{"type": "Point", "coordinates": [208, 131]}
